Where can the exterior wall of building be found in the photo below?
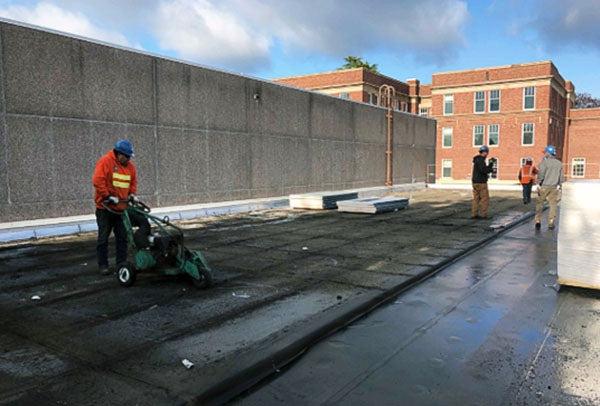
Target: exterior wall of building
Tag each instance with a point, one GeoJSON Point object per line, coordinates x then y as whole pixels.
{"type": "Point", "coordinates": [583, 144]}
{"type": "Point", "coordinates": [356, 84]}
{"type": "Point", "coordinates": [553, 106]}
{"type": "Point", "coordinates": [547, 117]}
{"type": "Point", "coordinates": [200, 135]}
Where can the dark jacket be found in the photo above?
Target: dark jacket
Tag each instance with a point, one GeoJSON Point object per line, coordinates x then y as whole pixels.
{"type": "Point", "coordinates": [481, 171]}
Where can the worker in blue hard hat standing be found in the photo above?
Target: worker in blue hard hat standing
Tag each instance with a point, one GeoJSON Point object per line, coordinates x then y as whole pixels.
{"type": "Point", "coordinates": [115, 181]}
{"type": "Point", "coordinates": [550, 178]}
{"type": "Point", "coordinates": [480, 176]}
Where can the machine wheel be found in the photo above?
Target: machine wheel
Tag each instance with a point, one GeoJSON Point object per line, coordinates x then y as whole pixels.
{"type": "Point", "coordinates": [126, 275]}
{"type": "Point", "coordinates": [205, 279]}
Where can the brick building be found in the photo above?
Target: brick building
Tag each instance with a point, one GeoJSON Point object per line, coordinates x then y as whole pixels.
{"type": "Point", "coordinates": [516, 110]}
{"type": "Point", "coordinates": [582, 144]}
{"type": "Point", "coordinates": [356, 84]}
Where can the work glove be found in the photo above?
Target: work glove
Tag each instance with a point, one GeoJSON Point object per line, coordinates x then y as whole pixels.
{"type": "Point", "coordinates": [113, 199]}
{"type": "Point", "coordinates": [133, 198]}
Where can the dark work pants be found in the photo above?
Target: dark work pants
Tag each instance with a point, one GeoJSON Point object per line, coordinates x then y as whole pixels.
{"type": "Point", "coordinates": [109, 222]}
{"type": "Point", "coordinates": [527, 192]}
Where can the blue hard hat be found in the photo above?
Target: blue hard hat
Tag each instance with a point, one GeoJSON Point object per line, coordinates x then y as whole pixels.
{"type": "Point", "coordinates": [124, 147]}
{"type": "Point", "coordinates": [550, 150]}
{"type": "Point", "coordinates": [484, 149]}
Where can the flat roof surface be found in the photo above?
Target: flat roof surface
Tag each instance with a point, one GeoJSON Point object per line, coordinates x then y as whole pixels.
{"type": "Point", "coordinates": [87, 339]}
{"type": "Point", "coordinates": [491, 329]}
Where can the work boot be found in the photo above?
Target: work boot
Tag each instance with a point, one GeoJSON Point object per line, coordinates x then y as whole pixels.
{"type": "Point", "coordinates": [551, 226]}
{"type": "Point", "coordinates": [104, 270]}
{"type": "Point", "coordinates": [538, 226]}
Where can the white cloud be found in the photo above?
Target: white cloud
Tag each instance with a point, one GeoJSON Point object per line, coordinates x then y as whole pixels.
{"type": "Point", "coordinates": [243, 34]}
{"type": "Point", "coordinates": [205, 31]}
{"type": "Point", "coordinates": [240, 33]}
{"type": "Point", "coordinates": [49, 15]}
{"type": "Point", "coordinates": [560, 23]}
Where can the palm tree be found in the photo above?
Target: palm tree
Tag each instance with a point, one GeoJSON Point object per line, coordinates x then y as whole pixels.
{"type": "Point", "coordinates": [358, 62]}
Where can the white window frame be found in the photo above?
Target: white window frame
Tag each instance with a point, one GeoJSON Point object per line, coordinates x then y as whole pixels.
{"type": "Point", "coordinates": [445, 161]}
{"type": "Point", "coordinates": [490, 101]}
{"type": "Point", "coordinates": [523, 135]}
{"type": "Point", "coordinates": [482, 136]}
{"type": "Point", "coordinates": [451, 133]}
{"type": "Point", "coordinates": [475, 102]}
{"type": "Point", "coordinates": [403, 106]}
{"type": "Point", "coordinates": [581, 161]}
{"type": "Point", "coordinates": [525, 97]}
{"type": "Point", "coordinates": [488, 136]}
{"type": "Point", "coordinates": [372, 98]}
{"type": "Point", "coordinates": [424, 111]}
{"type": "Point", "coordinates": [451, 97]}
{"type": "Point", "coordinates": [523, 161]}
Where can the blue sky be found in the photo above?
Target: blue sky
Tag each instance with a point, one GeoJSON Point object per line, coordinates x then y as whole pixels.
{"type": "Point", "coordinates": [273, 38]}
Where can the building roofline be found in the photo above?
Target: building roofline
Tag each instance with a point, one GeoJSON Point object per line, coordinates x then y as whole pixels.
{"type": "Point", "coordinates": [339, 71]}
{"type": "Point", "coordinates": [317, 73]}
{"type": "Point", "coordinates": [493, 67]}
{"type": "Point", "coordinates": [585, 108]}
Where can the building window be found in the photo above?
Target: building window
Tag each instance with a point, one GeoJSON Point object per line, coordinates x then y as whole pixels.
{"type": "Point", "coordinates": [446, 168]}
{"type": "Point", "coordinates": [423, 111]}
{"type": "Point", "coordinates": [479, 102]}
{"type": "Point", "coordinates": [478, 135]}
{"type": "Point", "coordinates": [344, 95]}
{"type": "Point", "coordinates": [494, 101]}
{"type": "Point", "coordinates": [448, 104]}
{"type": "Point", "coordinates": [494, 135]}
{"type": "Point", "coordinates": [447, 137]}
{"type": "Point", "coordinates": [529, 98]}
{"type": "Point", "coordinates": [404, 106]}
{"type": "Point", "coordinates": [527, 134]}
{"type": "Point", "coordinates": [374, 99]}
{"type": "Point", "coordinates": [578, 168]}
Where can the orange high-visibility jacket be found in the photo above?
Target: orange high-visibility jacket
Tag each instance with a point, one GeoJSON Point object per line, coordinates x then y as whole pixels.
{"type": "Point", "coordinates": [527, 174]}
{"type": "Point", "coordinates": [113, 179]}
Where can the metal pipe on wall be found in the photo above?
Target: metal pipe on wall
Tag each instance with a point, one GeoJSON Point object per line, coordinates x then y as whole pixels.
{"type": "Point", "coordinates": [387, 96]}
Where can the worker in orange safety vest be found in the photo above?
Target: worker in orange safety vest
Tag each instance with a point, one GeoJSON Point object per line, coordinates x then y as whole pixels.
{"type": "Point", "coordinates": [527, 175]}
{"type": "Point", "coordinates": [115, 181]}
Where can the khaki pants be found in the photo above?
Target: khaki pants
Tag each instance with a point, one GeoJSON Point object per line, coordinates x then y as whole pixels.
{"type": "Point", "coordinates": [481, 200]}
{"type": "Point", "coordinates": [550, 194]}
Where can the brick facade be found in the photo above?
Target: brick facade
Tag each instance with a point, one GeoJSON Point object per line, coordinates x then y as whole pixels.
{"type": "Point", "coordinates": [582, 144]}
{"type": "Point", "coordinates": [511, 120]}
{"type": "Point", "coordinates": [543, 122]}
{"type": "Point", "coordinates": [356, 84]}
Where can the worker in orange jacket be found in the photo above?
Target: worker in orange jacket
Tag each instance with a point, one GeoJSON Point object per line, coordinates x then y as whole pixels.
{"type": "Point", "coordinates": [115, 182]}
{"type": "Point", "coordinates": [527, 175]}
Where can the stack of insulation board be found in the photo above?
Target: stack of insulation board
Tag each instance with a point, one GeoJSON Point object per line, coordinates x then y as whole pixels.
{"type": "Point", "coordinates": [579, 235]}
{"type": "Point", "coordinates": [373, 205]}
{"type": "Point", "coordinates": [320, 200]}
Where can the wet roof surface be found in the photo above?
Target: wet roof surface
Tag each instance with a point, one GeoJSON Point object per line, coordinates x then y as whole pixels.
{"type": "Point", "coordinates": [275, 270]}
{"type": "Point", "coordinates": [491, 329]}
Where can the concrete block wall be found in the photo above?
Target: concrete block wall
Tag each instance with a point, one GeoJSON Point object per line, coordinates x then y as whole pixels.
{"type": "Point", "coordinates": [200, 135]}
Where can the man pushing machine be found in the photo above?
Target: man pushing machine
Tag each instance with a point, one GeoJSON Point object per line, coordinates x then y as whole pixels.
{"type": "Point", "coordinates": [115, 183]}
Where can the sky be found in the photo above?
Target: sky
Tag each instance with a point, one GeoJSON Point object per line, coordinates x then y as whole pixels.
{"type": "Point", "coordinates": [276, 38]}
